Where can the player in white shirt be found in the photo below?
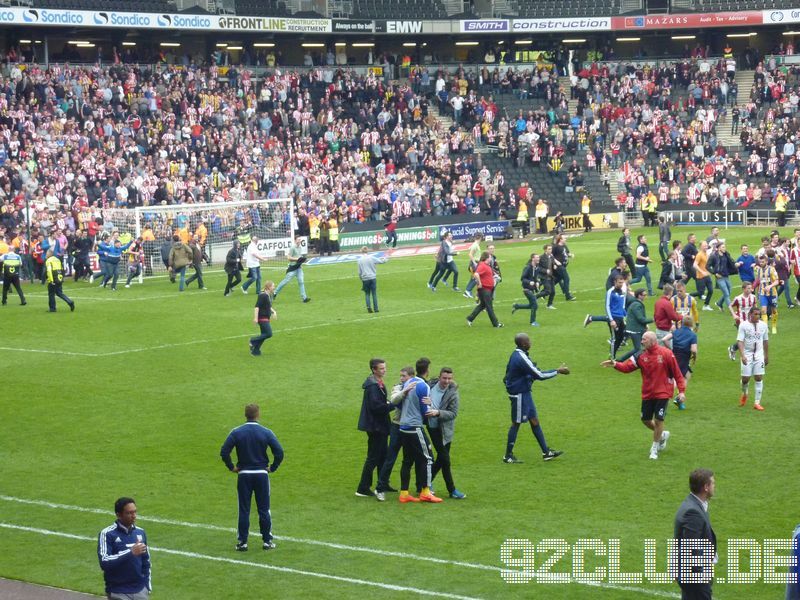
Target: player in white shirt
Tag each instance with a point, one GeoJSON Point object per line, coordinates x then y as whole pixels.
{"type": "Point", "coordinates": [740, 308]}
{"type": "Point", "coordinates": [253, 263]}
{"type": "Point", "coordinates": [753, 340]}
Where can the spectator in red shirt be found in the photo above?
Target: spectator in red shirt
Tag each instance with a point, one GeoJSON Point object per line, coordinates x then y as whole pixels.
{"type": "Point", "coordinates": [665, 316]}
{"type": "Point", "coordinates": [660, 375]}
{"type": "Point", "coordinates": [484, 275]}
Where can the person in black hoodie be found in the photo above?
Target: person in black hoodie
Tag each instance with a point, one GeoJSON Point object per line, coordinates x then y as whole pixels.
{"type": "Point", "coordinates": [233, 264]}
{"type": "Point", "coordinates": [530, 287]}
{"type": "Point", "coordinates": [624, 248]}
{"type": "Point", "coordinates": [722, 266]}
{"type": "Point", "coordinates": [82, 246]}
{"type": "Point", "coordinates": [374, 420]}
{"type": "Point", "coordinates": [689, 252]}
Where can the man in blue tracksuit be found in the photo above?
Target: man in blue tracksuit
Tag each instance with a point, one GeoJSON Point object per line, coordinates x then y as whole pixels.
{"type": "Point", "coordinates": [416, 447]}
{"type": "Point", "coordinates": [616, 312]}
{"type": "Point", "coordinates": [124, 556]}
{"type": "Point", "coordinates": [521, 372]}
{"type": "Point", "coordinates": [251, 441]}
{"type": "Point", "coordinates": [114, 252]}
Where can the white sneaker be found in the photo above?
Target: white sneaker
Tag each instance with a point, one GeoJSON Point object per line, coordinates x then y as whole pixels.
{"type": "Point", "coordinates": [664, 439]}
{"type": "Point", "coordinates": [244, 291]}
{"type": "Point", "coordinates": [707, 307]}
{"type": "Point", "coordinates": [127, 285]}
{"type": "Point", "coordinates": [653, 455]}
{"type": "Point", "coordinates": [551, 307]}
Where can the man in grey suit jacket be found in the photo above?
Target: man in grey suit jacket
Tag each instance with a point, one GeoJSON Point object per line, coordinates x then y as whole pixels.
{"type": "Point", "coordinates": [441, 425]}
{"type": "Point", "coordinates": [692, 523]}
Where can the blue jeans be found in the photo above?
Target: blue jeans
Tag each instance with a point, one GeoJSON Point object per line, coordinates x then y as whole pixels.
{"type": "Point", "coordinates": [296, 274]}
{"type": "Point", "coordinates": [247, 485]}
{"type": "Point", "coordinates": [253, 275]}
{"type": "Point", "coordinates": [784, 289]}
{"type": "Point", "coordinates": [724, 286]}
{"type": "Point", "coordinates": [182, 272]}
{"type": "Point", "coordinates": [370, 287]}
{"type": "Point", "coordinates": [643, 271]}
{"type": "Point", "coordinates": [266, 333]}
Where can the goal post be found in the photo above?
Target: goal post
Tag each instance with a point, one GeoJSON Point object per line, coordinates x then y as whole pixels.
{"type": "Point", "coordinates": [216, 225]}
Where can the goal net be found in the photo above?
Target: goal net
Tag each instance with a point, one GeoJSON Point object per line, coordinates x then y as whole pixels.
{"type": "Point", "coordinates": [215, 224]}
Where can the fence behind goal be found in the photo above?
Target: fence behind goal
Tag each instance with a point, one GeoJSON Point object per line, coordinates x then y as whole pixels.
{"type": "Point", "coordinates": [215, 224]}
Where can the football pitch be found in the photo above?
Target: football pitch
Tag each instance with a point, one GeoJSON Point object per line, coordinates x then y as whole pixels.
{"type": "Point", "coordinates": [134, 393]}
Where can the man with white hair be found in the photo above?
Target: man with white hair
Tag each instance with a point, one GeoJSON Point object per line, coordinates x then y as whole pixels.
{"type": "Point", "coordinates": [660, 375]}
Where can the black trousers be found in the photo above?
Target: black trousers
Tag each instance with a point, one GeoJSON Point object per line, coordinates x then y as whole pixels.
{"type": "Point", "coordinates": [416, 451]}
{"type": "Point", "coordinates": [705, 285]}
{"type": "Point", "coordinates": [395, 443]}
{"type": "Point", "coordinates": [233, 280]}
{"type": "Point", "coordinates": [8, 281]}
{"type": "Point", "coordinates": [619, 335]}
{"type": "Point", "coordinates": [81, 267]}
{"type": "Point", "coordinates": [548, 290]}
{"type": "Point", "coordinates": [630, 262]}
{"type": "Point", "coordinates": [198, 275]}
{"type": "Point", "coordinates": [376, 455]}
{"type": "Point", "coordinates": [695, 591]}
{"type": "Point", "coordinates": [442, 462]}
{"type": "Point", "coordinates": [484, 303]}
{"type": "Point", "coordinates": [53, 290]}
{"type": "Point", "coordinates": [257, 484]}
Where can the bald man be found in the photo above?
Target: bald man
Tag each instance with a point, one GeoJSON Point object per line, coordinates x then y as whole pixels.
{"type": "Point", "coordinates": [660, 375]}
{"type": "Point", "coordinates": [521, 372]}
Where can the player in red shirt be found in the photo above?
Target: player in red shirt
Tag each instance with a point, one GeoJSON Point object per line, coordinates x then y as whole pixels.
{"type": "Point", "coordinates": [660, 375]}
{"type": "Point", "coordinates": [484, 275]}
{"type": "Point", "coordinates": [740, 308]}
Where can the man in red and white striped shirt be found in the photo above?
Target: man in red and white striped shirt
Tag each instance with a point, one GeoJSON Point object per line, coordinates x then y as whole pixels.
{"type": "Point", "coordinates": [740, 308]}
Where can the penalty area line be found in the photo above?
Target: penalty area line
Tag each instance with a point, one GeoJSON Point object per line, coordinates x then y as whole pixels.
{"type": "Point", "coordinates": [245, 563]}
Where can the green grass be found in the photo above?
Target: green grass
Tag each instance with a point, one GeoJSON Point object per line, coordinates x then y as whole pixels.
{"type": "Point", "coordinates": [84, 428]}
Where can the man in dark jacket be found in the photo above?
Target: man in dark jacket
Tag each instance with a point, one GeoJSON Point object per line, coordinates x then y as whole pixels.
{"type": "Point", "coordinates": [233, 264]}
{"type": "Point", "coordinates": [636, 322]}
{"type": "Point", "coordinates": [624, 248]}
{"type": "Point", "coordinates": [692, 523]}
{"type": "Point", "coordinates": [530, 287]}
{"type": "Point", "coordinates": [374, 420]}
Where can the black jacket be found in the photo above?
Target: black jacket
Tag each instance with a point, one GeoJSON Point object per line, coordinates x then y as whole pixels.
{"type": "Point", "coordinates": [375, 407]}
{"type": "Point", "coordinates": [692, 523]}
{"type": "Point", "coordinates": [721, 264]}
{"type": "Point", "coordinates": [624, 245]}
{"type": "Point", "coordinates": [689, 252]}
{"type": "Point", "coordinates": [233, 260]}
{"type": "Point", "coordinates": [530, 276]}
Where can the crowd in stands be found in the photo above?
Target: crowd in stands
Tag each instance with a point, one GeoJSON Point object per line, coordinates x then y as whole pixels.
{"type": "Point", "coordinates": [78, 140]}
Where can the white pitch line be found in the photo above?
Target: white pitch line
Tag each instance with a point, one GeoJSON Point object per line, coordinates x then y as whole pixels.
{"type": "Point", "coordinates": [232, 561]}
{"type": "Point", "coordinates": [247, 335]}
{"type": "Point", "coordinates": [333, 545]}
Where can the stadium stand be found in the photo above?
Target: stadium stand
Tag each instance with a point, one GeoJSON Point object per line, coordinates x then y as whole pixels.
{"type": "Point", "coordinates": [271, 8]}
{"type": "Point", "coordinates": [542, 9]}
{"type": "Point", "coordinates": [399, 9]}
{"type": "Point", "coordinates": [154, 6]}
